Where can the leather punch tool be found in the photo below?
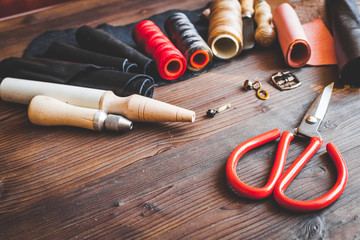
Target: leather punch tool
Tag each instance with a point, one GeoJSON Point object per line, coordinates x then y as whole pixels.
{"type": "Point", "coordinates": [278, 182]}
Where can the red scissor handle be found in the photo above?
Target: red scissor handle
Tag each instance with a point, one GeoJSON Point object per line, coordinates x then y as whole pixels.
{"type": "Point", "coordinates": [294, 169]}
{"type": "Point", "coordinates": [278, 167]}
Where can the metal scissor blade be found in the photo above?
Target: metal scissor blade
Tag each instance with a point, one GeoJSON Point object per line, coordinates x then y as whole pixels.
{"type": "Point", "coordinates": [314, 116]}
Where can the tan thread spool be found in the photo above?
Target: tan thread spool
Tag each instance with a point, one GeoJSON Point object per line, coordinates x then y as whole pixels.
{"type": "Point", "coordinates": [225, 29]}
{"type": "Point", "coordinates": [265, 34]}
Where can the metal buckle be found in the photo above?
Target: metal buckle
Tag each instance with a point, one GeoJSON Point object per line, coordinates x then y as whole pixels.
{"type": "Point", "coordinates": [285, 80]}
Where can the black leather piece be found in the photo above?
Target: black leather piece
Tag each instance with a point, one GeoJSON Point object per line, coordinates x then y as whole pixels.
{"type": "Point", "coordinates": [67, 52]}
{"type": "Point", "coordinates": [85, 75]}
{"type": "Point", "coordinates": [344, 19]}
{"type": "Point", "coordinates": [42, 42]}
{"type": "Point", "coordinates": [100, 41]}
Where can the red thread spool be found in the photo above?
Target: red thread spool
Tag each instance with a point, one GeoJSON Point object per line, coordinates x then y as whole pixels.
{"type": "Point", "coordinates": [170, 61]}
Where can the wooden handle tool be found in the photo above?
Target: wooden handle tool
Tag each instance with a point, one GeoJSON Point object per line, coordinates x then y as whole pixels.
{"type": "Point", "coordinates": [135, 107]}
{"type": "Point", "coordinates": [247, 11]}
{"type": "Point", "coordinates": [47, 111]}
{"type": "Point", "coordinates": [265, 34]}
{"type": "Point", "coordinates": [247, 8]}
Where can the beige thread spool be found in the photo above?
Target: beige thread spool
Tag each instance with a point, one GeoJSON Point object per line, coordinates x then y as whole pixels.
{"type": "Point", "coordinates": [225, 29]}
{"type": "Point", "coordinates": [265, 34]}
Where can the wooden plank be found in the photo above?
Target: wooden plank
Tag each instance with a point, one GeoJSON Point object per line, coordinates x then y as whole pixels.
{"type": "Point", "coordinates": [168, 180]}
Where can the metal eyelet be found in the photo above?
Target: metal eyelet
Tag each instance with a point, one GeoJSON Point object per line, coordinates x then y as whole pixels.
{"type": "Point", "coordinates": [260, 93]}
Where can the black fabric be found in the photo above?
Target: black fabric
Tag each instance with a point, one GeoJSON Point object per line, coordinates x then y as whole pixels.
{"type": "Point", "coordinates": [344, 19]}
{"type": "Point", "coordinates": [85, 75]}
{"type": "Point", "coordinates": [66, 52]}
{"type": "Point", "coordinates": [40, 44]}
{"type": "Point", "coordinates": [97, 40]}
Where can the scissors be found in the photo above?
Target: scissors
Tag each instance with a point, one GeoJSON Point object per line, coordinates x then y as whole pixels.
{"type": "Point", "coordinates": [278, 182]}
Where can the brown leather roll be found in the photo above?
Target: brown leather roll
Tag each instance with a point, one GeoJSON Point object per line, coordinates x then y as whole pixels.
{"type": "Point", "coordinates": [291, 35]}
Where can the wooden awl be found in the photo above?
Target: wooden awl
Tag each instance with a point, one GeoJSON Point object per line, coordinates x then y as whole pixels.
{"type": "Point", "coordinates": [47, 111]}
{"type": "Point", "coordinates": [134, 107]}
{"type": "Point", "coordinates": [247, 9]}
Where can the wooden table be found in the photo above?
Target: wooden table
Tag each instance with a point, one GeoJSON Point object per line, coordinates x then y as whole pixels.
{"type": "Point", "coordinates": [167, 181]}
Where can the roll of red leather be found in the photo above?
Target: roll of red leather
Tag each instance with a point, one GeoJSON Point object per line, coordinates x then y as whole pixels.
{"type": "Point", "coordinates": [170, 62]}
{"type": "Point", "coordinates": [291, 35]}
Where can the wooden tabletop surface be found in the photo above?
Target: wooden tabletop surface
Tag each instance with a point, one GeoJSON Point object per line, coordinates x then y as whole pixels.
{"type": "Point", "coordinates": [167, 180]}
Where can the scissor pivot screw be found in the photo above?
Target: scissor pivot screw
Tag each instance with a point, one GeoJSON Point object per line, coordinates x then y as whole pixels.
{"type": "Point", "coordinates": [311, 119]}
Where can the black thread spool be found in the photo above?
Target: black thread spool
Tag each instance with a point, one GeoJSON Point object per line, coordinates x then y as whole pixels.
{"type": "Point", "coordinates": [186, 38]}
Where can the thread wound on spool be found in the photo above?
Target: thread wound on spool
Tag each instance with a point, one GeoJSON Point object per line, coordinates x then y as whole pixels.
{"type": "Point", "coordinates": [199, 59]}
{"type": "Point", "coordinates": [186, 38]}
{"type": "Point", "coordinates": [170, 62]}
{"type": "Point", "coordinates": [173, 67]}
{"type": "Point", "coordinates": [225, 29]}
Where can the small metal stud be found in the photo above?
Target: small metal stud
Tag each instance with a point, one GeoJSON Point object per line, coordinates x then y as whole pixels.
{"type": "Point", "coordinates": [311, 120]}
{"type": "Point", "coordinates": [260, 93]}
{"type": "Point", "coordinates": [248, 85]}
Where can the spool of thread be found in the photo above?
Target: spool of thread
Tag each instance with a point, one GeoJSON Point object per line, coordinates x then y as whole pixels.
{"type": "Point", "coordinates": [186, 38]}
{"type": "Point", "coordinates": [291, 35]}
{"type": "Point", "coordinates": [225, 29]}
{"type": "Point", "coordinates": [265, 34]}
{"type": "Point", "coordinates": [170, 62]}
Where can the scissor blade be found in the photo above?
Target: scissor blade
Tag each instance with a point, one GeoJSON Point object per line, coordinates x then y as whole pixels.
{"type": "Point", "coordinates": [322, 102]}
{"type": "Point", "coordinates": [316, 113]}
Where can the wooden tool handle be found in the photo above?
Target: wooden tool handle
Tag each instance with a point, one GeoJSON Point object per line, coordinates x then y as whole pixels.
{"type": "Point", "coordinates": [47, 111]}
{"type": "Point", "coordinates": [265, 33]}
{"type": "Point", "coordinates": [135, 107]}
{"type": "Point", "coordinates": [22, 91]}
{"type": "Point", "coordinates": [143, 109]}
{"type": "Point", "coordinates": [247, 6]}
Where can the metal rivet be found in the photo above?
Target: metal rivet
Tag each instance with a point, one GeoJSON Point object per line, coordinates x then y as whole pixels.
{"type": "Point", "coordinates": [311, 119]}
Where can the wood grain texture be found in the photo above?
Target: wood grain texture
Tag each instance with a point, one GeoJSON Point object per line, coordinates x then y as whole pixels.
{"type": "Point", "coordinates": [167, 180]}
